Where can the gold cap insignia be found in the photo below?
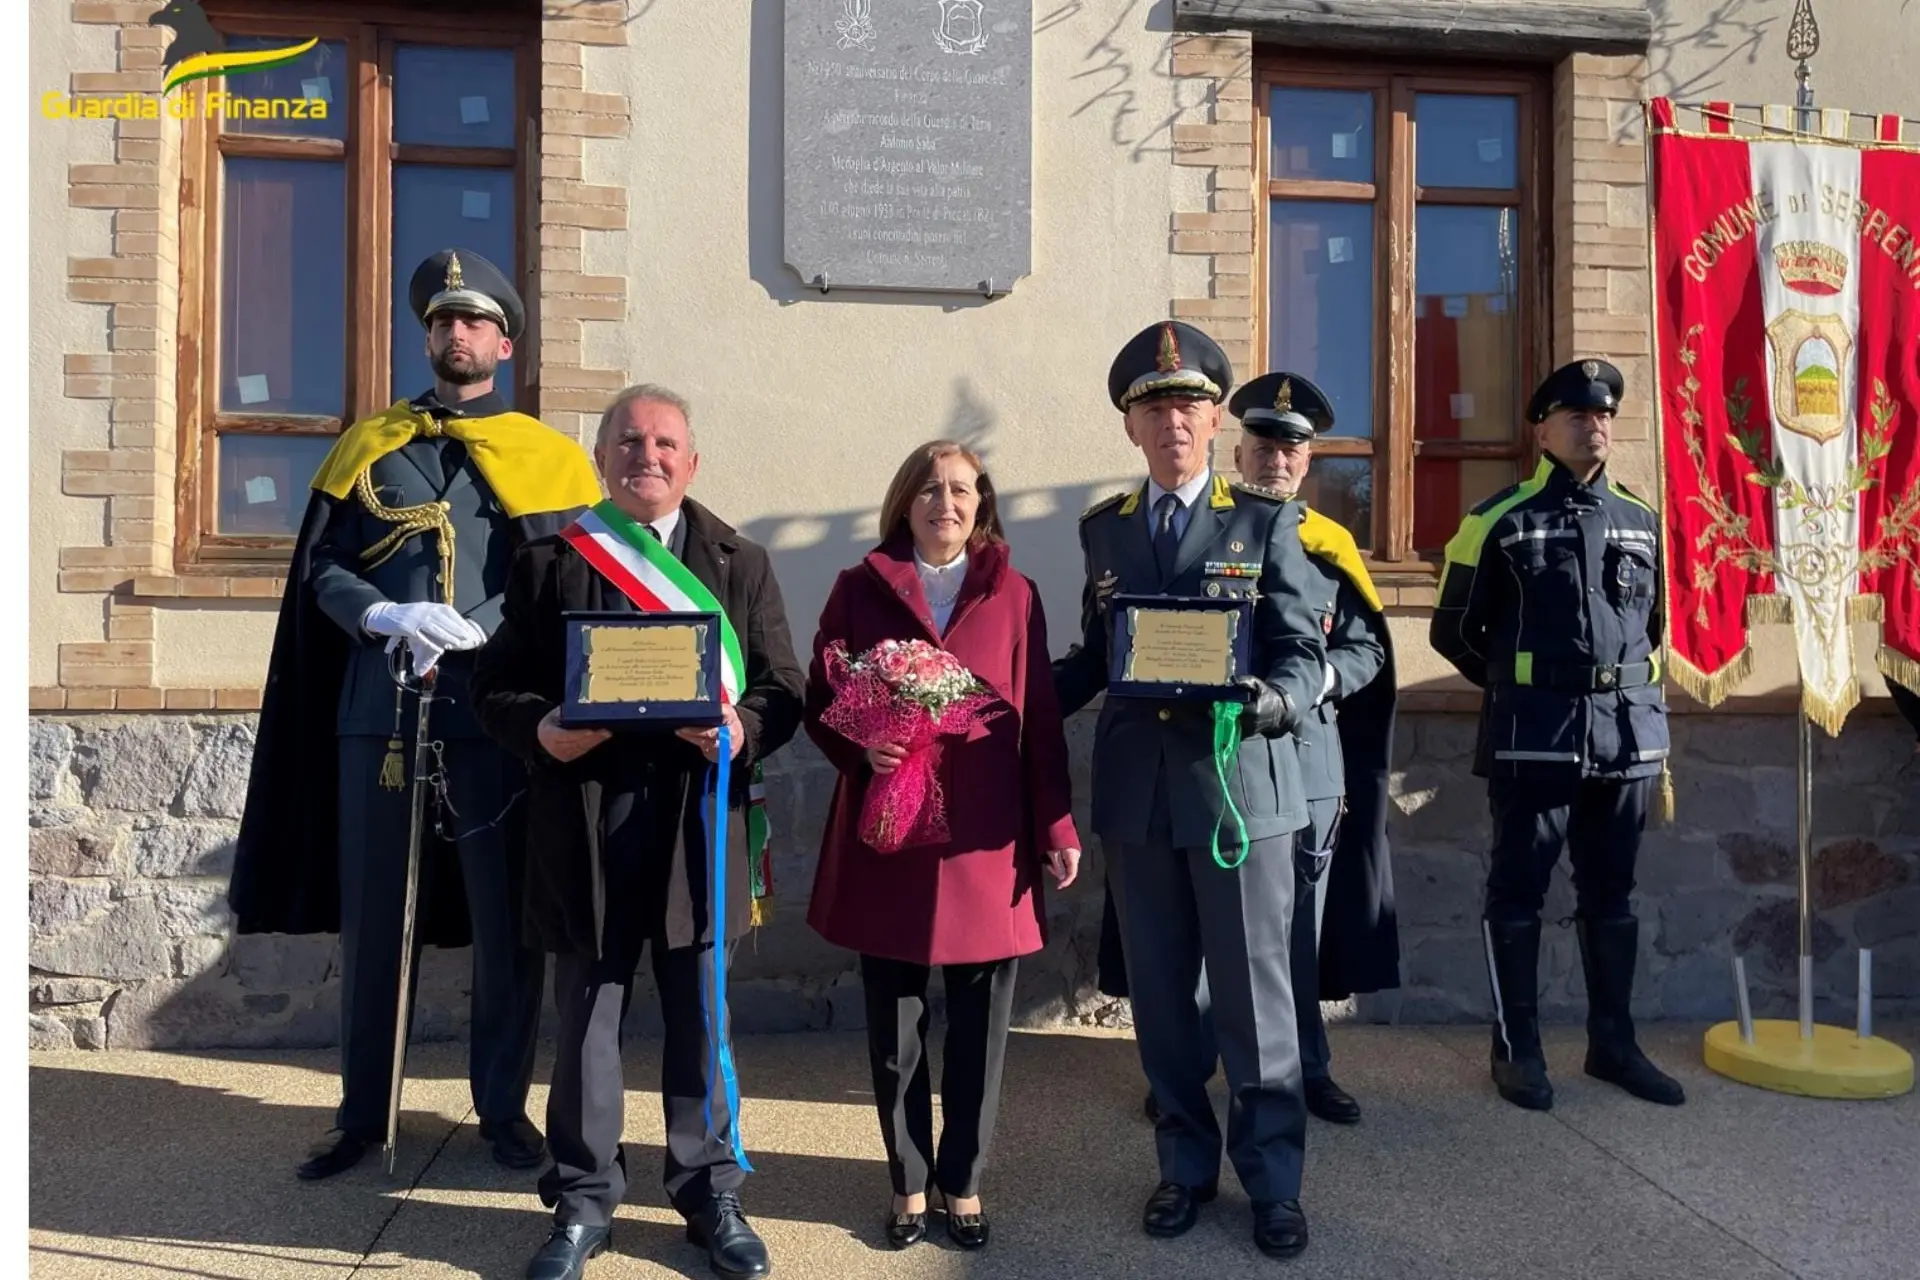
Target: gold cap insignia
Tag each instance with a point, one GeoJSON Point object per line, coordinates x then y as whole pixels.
{"type": "Point", "coordinates": [1591, 368]}
{"type": "Point", "coordinates": [1284, 401]}
{"type": "Point", "coordinates": [1169, 349]}
{"type": "Point", "coordinates": [455, 280]}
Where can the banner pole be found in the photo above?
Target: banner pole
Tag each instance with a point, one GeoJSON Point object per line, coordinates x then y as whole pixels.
{"type": "Point", "coordinates": [1805, 807]}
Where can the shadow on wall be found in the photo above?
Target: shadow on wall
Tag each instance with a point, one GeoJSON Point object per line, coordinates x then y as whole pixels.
{"type": "Point", "coordinates": [1107, 83]}
{"type": "Point", "coordinates": [1693, 57]}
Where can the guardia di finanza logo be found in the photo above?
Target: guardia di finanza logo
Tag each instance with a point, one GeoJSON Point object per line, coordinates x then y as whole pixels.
{"type": "Point", "coordinates": [197, 52]}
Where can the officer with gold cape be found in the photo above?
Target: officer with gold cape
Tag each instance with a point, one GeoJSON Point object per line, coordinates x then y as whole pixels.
{"type": "Point", "coordinates": [414, 517]}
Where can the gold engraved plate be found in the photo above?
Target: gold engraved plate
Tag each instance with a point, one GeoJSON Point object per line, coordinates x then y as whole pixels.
{"type": "Point", "coordinates": [1181, 646]}
{"type": "Point", "coordinates": [643, 664]}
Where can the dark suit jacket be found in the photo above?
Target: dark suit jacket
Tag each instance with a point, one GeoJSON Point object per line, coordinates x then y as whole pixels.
{"type": "Point", "coordinates": [519, 678]}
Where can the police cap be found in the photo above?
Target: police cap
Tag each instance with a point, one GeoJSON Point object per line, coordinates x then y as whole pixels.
{"type": "Point", "coordinates": [1169, 359]}
{"type": "Point", "coordinates": [1282, 406]}
{"type": "Point", "coordinates": [461, 281]}
{"type": "Point", "coordinates": [1584, 384]}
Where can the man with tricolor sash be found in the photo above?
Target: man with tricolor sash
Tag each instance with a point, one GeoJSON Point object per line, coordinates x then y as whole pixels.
{"type": "Point", "coordinates": [402, 558]}
{"type": "Point", "coordinates": [1550, 601]}
{"type": "Point", "coordinates": [643, 840]}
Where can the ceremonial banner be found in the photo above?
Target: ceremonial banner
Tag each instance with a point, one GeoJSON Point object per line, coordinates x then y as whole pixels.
{"type": "Point", "coordinates": [1787, 335]}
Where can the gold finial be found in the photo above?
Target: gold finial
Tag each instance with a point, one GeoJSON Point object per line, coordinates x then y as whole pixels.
{"type": "Point", "coordinates": [1169, 349]}
{"type": "Point", "coordinates": [454, 279]}
{"type": "Point", "coordinates": [1284, 401]}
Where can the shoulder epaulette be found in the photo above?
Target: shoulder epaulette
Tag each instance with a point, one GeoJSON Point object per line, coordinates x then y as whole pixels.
{"type": "Point", "coordinates": [1261, 491]}
{"type": "Point", "coordinates": [1629, 494]}
{"type": "Point", "coordinates": [1112, 499]}
{"type": "Point", "coordinates": [1500, 499]}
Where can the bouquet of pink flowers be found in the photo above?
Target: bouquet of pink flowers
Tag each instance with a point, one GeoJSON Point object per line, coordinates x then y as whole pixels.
{"type": "Point", "coordinates": [907, 693]}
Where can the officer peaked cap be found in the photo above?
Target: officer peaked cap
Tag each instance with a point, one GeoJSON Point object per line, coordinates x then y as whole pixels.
{"type": "Point", "coordinates": [1169, 359]}
{"type": "Point", "coordinates": [1282, 406]}
{"type": "Point", "coordinates": [461, 281]}
{"type": "Point", "coordinates": [1584, 384]}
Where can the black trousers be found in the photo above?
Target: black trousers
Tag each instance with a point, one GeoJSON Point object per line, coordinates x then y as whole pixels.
{"type": "Point", "coordinates": [979, 1008]}
{"type": "Point", "coordinates": [586, 1108]}
{"type": "Point", "coordinates": [1598, 821]}
{"type": "Point", "coordinates": [373, 868]}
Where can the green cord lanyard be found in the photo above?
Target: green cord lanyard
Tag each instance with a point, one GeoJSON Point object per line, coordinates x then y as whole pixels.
{"type": "Point", "coordinates": [1226, 750]}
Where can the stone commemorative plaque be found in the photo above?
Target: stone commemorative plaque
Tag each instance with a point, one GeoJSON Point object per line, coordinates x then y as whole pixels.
{"type": "Point", "coordinates": [909, 143]}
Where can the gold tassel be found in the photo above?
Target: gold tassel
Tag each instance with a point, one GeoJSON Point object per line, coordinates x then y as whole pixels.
{"type": "Point", "coordinates": [1663, 803]}
{"type": "Point", "coordinates": [762, 913]}
{"type": "Point", "coordinates": [393, 770]}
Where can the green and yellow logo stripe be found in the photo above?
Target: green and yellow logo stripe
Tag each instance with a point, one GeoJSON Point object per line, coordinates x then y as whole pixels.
{"type": "Point", "coordinates": [202, 65]}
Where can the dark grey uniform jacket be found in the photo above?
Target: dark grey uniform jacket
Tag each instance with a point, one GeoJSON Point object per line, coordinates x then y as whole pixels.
{"type": "Point", "coordinates": [1356, 654]}
{"type": "Point", "coordinates": [1144, 745]}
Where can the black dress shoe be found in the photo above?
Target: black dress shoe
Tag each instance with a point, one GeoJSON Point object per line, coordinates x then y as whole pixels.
{"type": "Point", "coordinates": [1332, 1103]}
{"type": "Point", "coordinates": [516, 1144]}
{"type": "Point", "coordinates": [904, 1230]}
{"type": "Point", "coordinates": [968, 1230]}
{"type": "Point", "coordinates": [1173, 1209]}
{"type": "Point", "coordinates": [564, 1256]}
{"type": "Point", "coordinates": [733, 1250]}
{"type": "Point", "coordinates": [1152, 1108]}
{"type": "Point", "coordinates": [338, 1152]}
{"type": "Point", "coordinates": [1279, 1228]}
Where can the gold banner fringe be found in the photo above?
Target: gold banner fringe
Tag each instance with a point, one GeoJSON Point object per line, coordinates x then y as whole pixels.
{"type": "Point", "coordinates": [1831, 714]}
{"type": "Point", "coordinates": [1710, 689]}
{"type": "Point", "coordinates": [1774, 610]}
{"type": "Point", "coordinates": [1898, 667]}
{"type": "Point", "coordinates": [1866, 608]}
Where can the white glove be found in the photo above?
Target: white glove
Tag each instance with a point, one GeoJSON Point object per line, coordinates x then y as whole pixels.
{"type": "Point", "coordinates": [428, 629]}
{"type": "Point", "coordinates": [1328, 685]}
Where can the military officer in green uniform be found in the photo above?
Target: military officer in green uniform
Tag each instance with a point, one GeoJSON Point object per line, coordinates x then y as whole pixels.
{"type": "Point", "coordinates": [404, 549]}
{"type": "Point", "coordinates": [1190, 888]}
{"type": "Point", "coordinates": [1550, 601]}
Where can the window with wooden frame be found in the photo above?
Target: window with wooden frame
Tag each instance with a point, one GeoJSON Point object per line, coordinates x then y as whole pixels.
{"type": "Point", "coordinates": [299, 238]}
{"type": "Point", "coordinates": [1401, 240]}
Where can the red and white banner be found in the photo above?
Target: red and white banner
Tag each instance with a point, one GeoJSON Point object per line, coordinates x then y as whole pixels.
{"type": "Point", "coordinates": [1787, 330]}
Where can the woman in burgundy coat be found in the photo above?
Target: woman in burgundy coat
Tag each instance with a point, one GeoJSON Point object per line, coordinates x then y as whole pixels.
{"type": "Point", "coordinates": [973, 904]}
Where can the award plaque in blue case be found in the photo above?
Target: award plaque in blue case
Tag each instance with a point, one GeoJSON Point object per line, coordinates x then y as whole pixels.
{"type": "Point", "coordinates": [1179, 647]}
{"type": "Point", "coordinates": [634, 670]}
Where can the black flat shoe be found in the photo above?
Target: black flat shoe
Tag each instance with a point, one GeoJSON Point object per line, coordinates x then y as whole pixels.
{"type": "Point", "coordinates": [904, 1230]}
{"type": "Point", "coordinates": [567, 1251]}
{"type": "Point", "coordinates": [516, 1144]}
{"type": "Point", "coordinates": [1173, 1209]}
{"type": "Point", "coordinates": [968, 1230]}
{"type": "Point", "coordinates": [338, 1152]}
{"type": "Point", "coordinates": [734, 1251]}
{"type": "Point", "coordinates": [1630, 1069]}
{"type": "Point", "coordinates": [1332, 1103]}
{"type": "Point", "coordinates": [1279, 1228]}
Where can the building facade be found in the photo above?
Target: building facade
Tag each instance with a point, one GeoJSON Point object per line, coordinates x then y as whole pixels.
{"type": "Point", "coordinates": [1422, 204]}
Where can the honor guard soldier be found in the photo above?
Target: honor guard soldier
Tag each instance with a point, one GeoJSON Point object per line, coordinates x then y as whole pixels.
{"type": "Point", "coordinates": [413, 518]}
{"type": "Point", "coordinates": [1345, 935]}
{"type": "Point", "coordinates": [1161, 796]}
{"type": "Point", "coordinates": [1550, 601]}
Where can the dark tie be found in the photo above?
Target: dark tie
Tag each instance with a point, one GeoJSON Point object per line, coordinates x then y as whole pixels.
{"type": "Point", "coordinates": [1166, 543]}
{"type": "Point", "coordinates": [453, 454]}
{"type": "Point", "coordinates": [655, 532]}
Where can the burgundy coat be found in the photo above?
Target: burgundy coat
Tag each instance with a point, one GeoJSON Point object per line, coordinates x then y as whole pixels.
{"type": "Point", "coordinates": [978, 897]}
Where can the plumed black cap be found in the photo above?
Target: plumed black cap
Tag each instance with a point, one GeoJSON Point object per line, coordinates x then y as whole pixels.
{"type": "Point", "coordinates": [462, 281]}
{"type": "Point", "coordinates": [1282, 406]}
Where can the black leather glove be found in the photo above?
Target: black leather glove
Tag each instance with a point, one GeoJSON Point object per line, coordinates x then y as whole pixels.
{"type": "Point", "coordinates": [1269, 712]}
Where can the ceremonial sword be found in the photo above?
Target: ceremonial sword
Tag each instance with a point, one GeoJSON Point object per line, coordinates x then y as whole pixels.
{"type": "Point", "coordinates": [424, 776]}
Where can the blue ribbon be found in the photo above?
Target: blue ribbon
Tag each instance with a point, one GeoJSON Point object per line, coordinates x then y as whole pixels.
{"type": "Point", "coordinates": [721, 1068]}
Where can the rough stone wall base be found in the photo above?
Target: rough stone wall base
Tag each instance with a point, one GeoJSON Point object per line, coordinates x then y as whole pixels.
{"type": "Point", "coordinates": [133, 819]}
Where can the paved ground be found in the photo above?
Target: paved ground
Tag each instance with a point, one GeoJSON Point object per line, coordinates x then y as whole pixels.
{"type": "Point", "coordinates": [162, 1165]}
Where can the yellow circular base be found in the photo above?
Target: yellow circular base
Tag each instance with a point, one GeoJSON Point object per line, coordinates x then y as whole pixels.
{"type": "Point", "coordinates": [1836, 1063]}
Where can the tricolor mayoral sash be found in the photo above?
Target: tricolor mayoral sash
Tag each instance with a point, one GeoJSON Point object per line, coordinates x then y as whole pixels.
{"type": "Point", "coordinates": [655, 581]}
{"type": "Point", "coordinates": [1786, 305]}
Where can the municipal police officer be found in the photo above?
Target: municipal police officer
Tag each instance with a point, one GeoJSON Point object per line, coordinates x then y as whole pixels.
{"type": "Point", "coordinates": [1282, 413]}
{"type": "Point", "coordinates": [1550, 600]}
{"type": "Point", "coordinates": [1189, 886]}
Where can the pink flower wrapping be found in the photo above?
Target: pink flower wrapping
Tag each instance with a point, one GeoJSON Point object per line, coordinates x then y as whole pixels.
{"type": "Point", "coordinates": [911, 694]}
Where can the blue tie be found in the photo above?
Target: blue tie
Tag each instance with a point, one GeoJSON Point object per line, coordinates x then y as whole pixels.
{"type": "Point", "coordinates": [1166, 543]}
